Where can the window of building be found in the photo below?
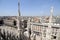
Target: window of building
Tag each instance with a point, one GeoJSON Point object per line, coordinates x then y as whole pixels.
{"type": "Point", "coordinates": [54, 37]}
{"type": "Point", "coordinates": [25, 23]}
{"type": "Point", "coordinates": [1, 22]}
{"type": "Point", "coordinates": [14, 23]}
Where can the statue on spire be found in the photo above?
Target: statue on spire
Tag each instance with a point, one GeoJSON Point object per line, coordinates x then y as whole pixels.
{"type": "Point", "coordinates": [52, 9]}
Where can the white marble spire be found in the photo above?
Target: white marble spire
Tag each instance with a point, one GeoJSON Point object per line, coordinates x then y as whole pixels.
{"type": "Point", "coordinates": [51, 14]}
{"type": "Point", "coordinates": [18, 17]}
{"type": "Point", "coordinates": [18, 7]}
{"type": "Point", "coordinates": [49, 30]}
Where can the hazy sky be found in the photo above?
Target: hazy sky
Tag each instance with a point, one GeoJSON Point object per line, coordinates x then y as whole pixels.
{"type": "Point", "coordinates": [29, 7]}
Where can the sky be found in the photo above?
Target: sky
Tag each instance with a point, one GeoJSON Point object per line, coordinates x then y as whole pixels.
{"type": "Point", "coordinates": [29, 7]}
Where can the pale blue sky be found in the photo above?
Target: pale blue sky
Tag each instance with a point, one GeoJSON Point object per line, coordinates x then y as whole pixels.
{"type": "Point", "coordinates": [29, 7]}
